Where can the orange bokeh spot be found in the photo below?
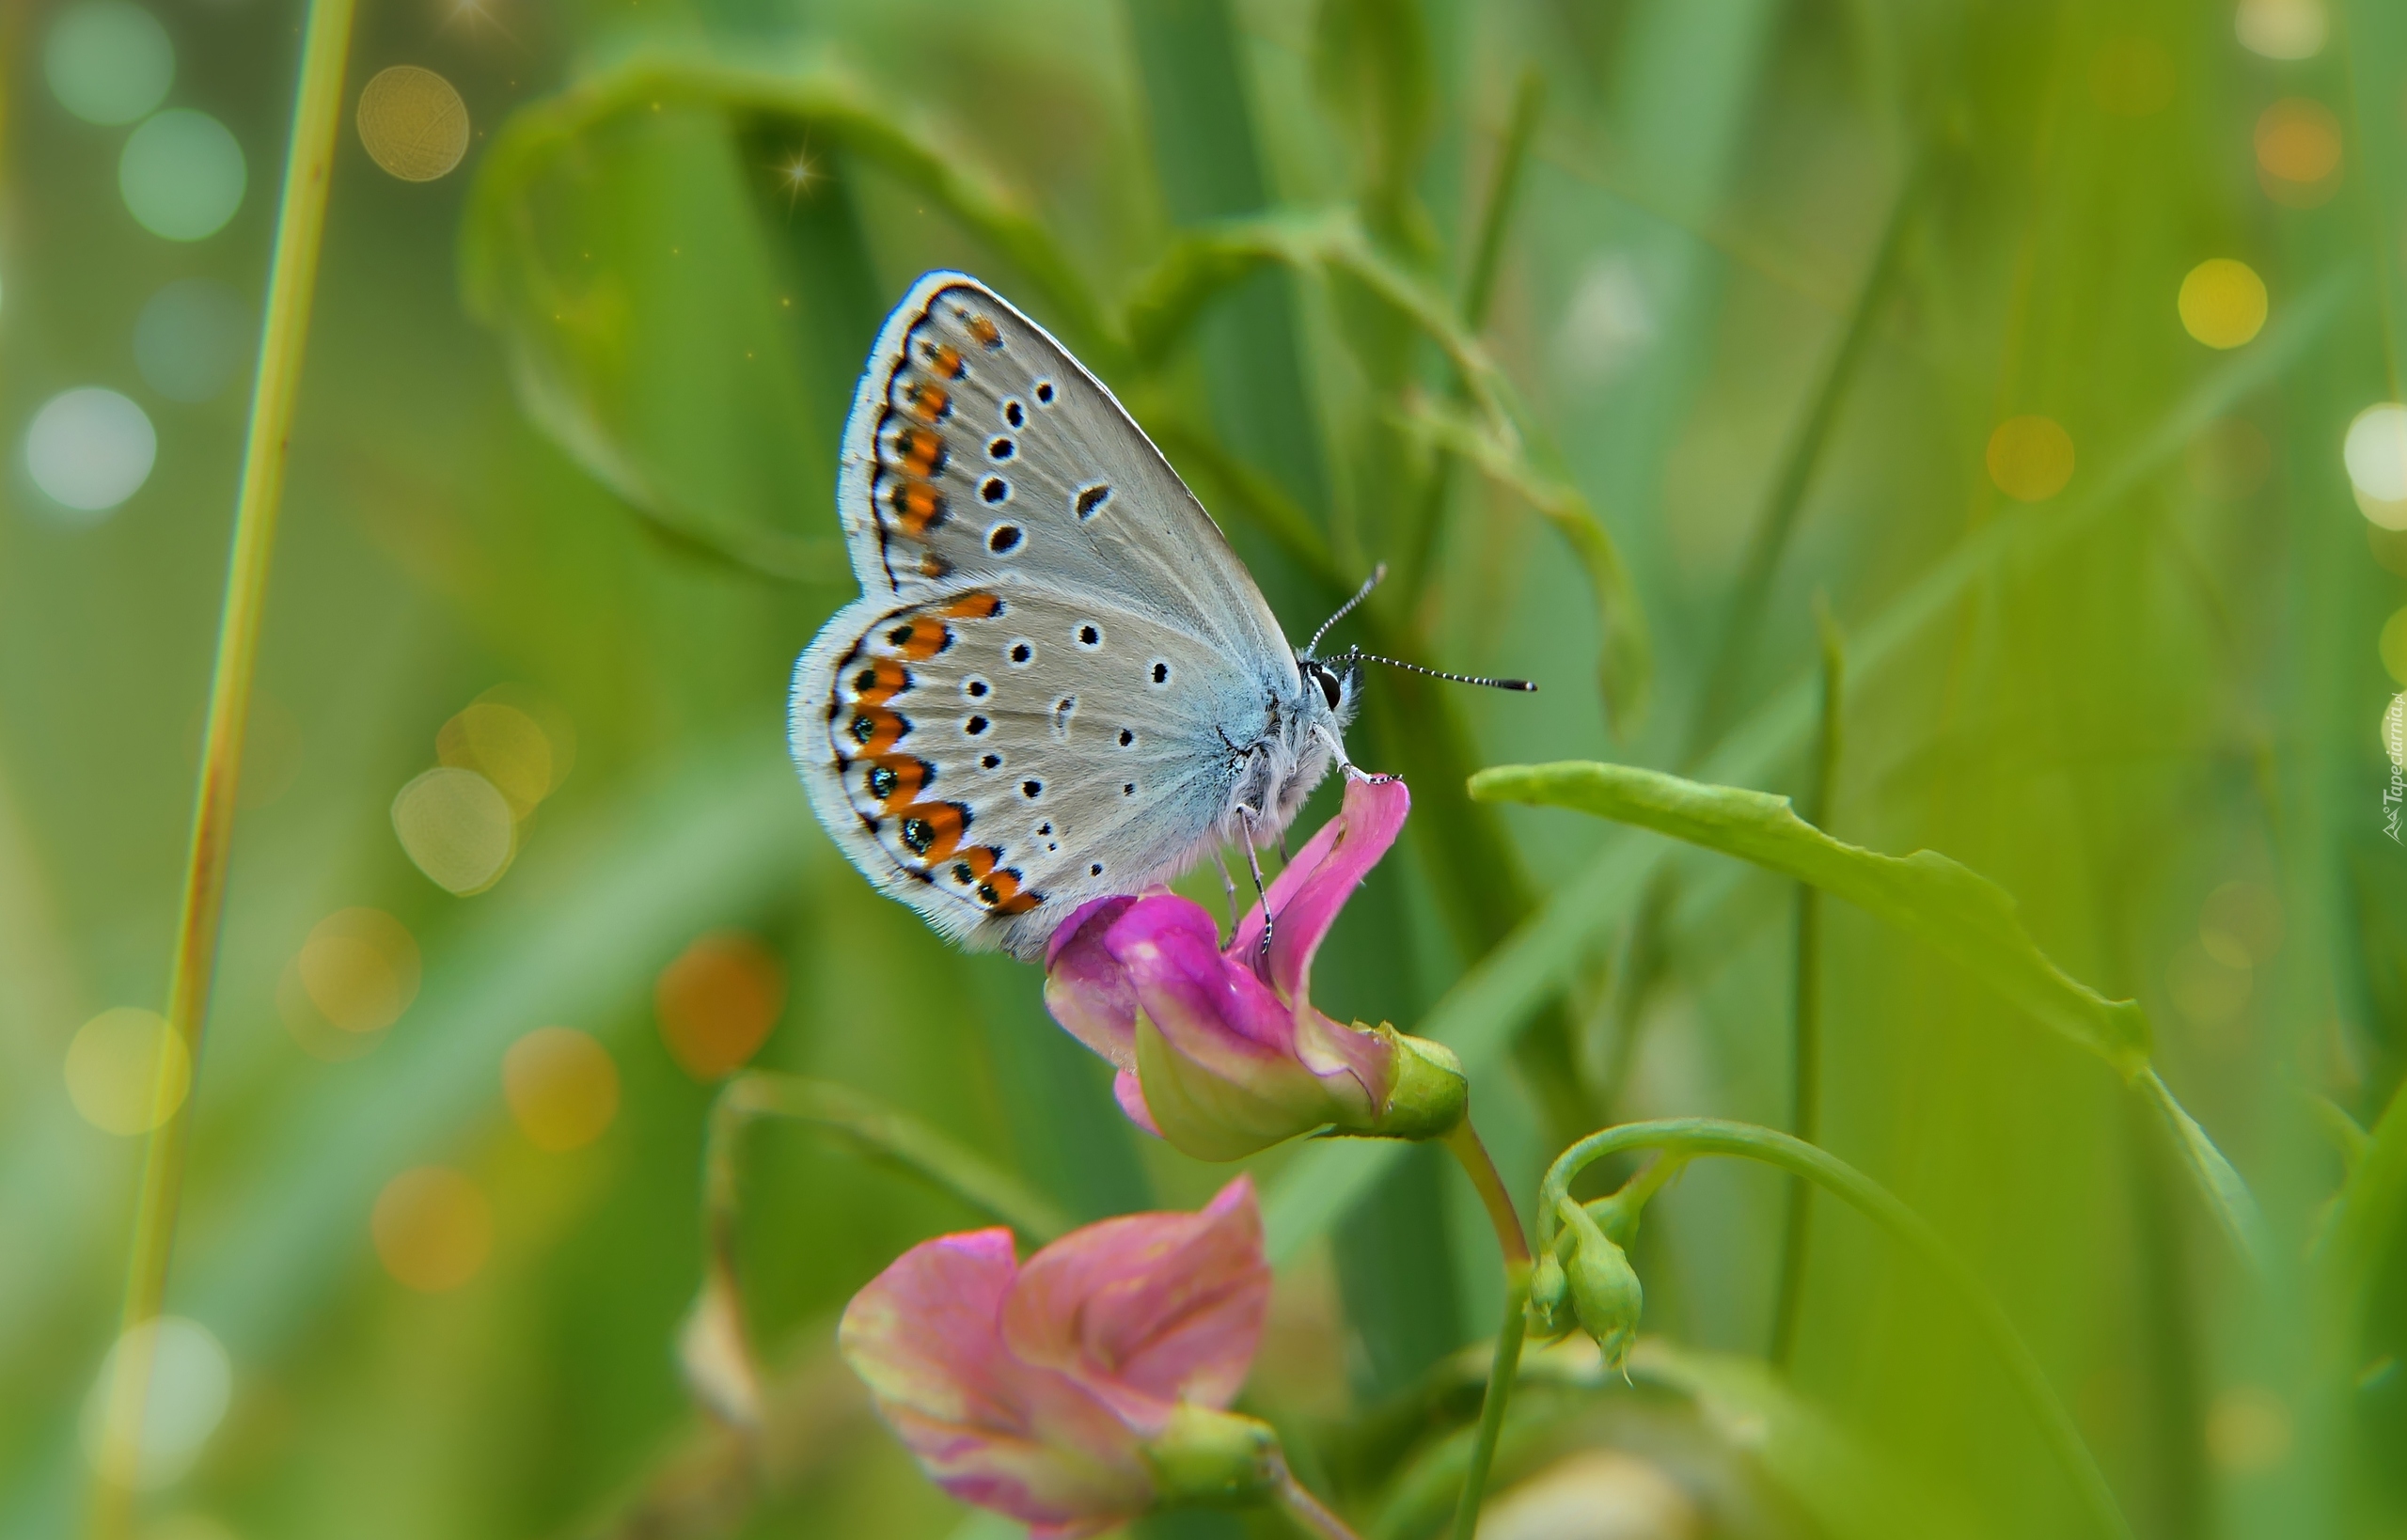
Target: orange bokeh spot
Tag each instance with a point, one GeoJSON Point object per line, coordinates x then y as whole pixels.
{"type": "Point", "coordinates": [432, 1228]}
{"type": "Point", "coordinates": [718, 1001]}
{"type": "Point", "coordinates": [562, 1088]}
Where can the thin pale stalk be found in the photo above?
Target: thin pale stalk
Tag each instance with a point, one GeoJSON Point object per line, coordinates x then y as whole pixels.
{"type": "Point", "coordinates": [293, 274]}
{"type": "Point", "coordinates": [1805, 1049]}
{"type": "Point", "coordinates": [1688, 1137]}
{"type": "Point", "coordinates": [1501, 1374]}
{"type": "Point", "coordinates": [1466, 1148]}
{"type": "Point", "coordinates": [1307, 1511]}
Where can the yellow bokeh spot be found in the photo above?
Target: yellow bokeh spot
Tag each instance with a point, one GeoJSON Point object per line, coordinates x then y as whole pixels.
{"type": "Point", "coordinates": [412, 123]}
{"type": "Point", "coordinates": [2298, 140]}
{"type": "Point", "coordinates": [2030, 458]}
{"type": "Point", "coordinates": [2394, 646]}
{"type": "Point", "coordinates": [2132, 77]}
{"type": "Point", "coordinates": [127, 1071]}
{"type": "Point", "coordinates": [2223, 303]}
{"type": "Point", "coordinates": [2248, 1430]}
{"type": "Point", "coordinates": [458, 828]}
{"type": "Point", "coordinates": [505, 746]}
{"type": "Point", "coordinates": [718, 1001]}
{"type": "Point", "coordinates": [360, 968]}
{"type": "Point", "coordinates": [2282, 29]}
{"type": "Point", "coordinates": [562, 1088]}
{"type": "Point", "coordinates": [432, 1228]}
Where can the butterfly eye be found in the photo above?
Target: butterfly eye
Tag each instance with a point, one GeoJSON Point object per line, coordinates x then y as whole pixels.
{"type": "Point", "coordinates": [1328, 686]}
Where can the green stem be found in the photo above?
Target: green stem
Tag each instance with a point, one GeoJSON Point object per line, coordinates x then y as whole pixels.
{"type": "Point", "coordinates": [1479, 288]}
{"type": "Point", "coordinates": [1481, 1167]}
{"type": "Point", "coordinates": [300, 229]}
{"type": "Point", "coordinates": [1690, 1136]}
{"type": "Point", "coordinates": [1501, 1374]}
{"type": "Point", "coordinates": [1805, 1057]}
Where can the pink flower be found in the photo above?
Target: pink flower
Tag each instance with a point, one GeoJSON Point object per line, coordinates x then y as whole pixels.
{"type": "Point", "coordinates": [1222, 1051]}
{"type": "Point", "coordinates": [1083, 1387]}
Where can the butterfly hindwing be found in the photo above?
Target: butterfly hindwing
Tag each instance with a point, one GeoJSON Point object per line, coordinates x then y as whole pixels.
{"type": "Point", "coordinates": [1000, 755]}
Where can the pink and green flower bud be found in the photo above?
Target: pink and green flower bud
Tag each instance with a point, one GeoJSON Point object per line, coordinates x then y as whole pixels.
{"type": "Point", "coordinates": [1087, 1385]}
{"type": "Point", "coordinates": [1219, 1049]}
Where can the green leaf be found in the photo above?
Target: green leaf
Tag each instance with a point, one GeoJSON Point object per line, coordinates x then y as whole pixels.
{"type": "Point", "coordinates": [1953, 909]}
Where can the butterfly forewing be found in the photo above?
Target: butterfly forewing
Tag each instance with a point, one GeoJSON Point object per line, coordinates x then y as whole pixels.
{"type": "Point", "coordinates": [978, 449]}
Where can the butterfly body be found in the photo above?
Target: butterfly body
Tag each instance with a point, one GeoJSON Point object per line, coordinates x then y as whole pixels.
{"type": "Point", "coordinates": [1060, 681]}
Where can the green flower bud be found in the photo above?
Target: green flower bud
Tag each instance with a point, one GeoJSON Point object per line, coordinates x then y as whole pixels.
{"type": "Point", "coordinates": [1605, 1293]}
{"type": "Point", "coordinates": [1549, 1314]}
{"type": "Point", "coordinates": [1213, 1458]}
{"type": "Point", "coordinates": [1430, 1095]}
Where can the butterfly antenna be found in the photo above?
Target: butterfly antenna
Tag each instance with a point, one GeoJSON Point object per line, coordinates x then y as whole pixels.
{"type": "Point", "coordinates": [1356, 656]}
{"type": "Point", "coordinates": [1347, 608]}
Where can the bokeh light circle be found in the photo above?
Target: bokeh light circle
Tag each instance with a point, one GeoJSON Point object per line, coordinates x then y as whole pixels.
{"type": "Point", "coordinates": [108, 61]}
{"type": "Point", "coordinates": [191, 340]}
{"type": "Point", "coordinates": [432, 1229]}
{"type": "Point", "coordinates": [504, 745]}
{"type": "Point", "coordinates": [181, 174]}
{"type": "Point", "coordinates": [2030, 458]}
{"type": "Point", "coordinates": [718, 1001]}
{"type": "Point", "coordinates": [90, 448]}
{"type": "Point", "coordinates": [412, 123]}
{"type": "Point", "coordinates": [2282, 29]}
{"type": "Point", "coordinates": [458, 828]}
{"type": "Point", "coordinates": [360, 967]}
{"type": "Point", "coordinates": [562, 1088]}
{"type": "Point", "coordinates": [2375, 452]}
{"type": "Point", "coordinates": [2394, 645]}
{"type": "Point", "coordinates": [127, 1071]}
{"type": "Point", "coordinates": [2223, 303]}
{"type": "Point", "coordinates": [191, 1383]}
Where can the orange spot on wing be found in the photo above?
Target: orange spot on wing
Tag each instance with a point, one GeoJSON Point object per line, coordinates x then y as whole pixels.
{"type": "Point", "coordinates": [896, 778]}
{"type": "Point", "coordinates": [973, 863]}
{"type": "Point", "coordinates": [975, 606]}
{"type": "Point", "coordinates": [929, 403]}
{"type": "Point", "coordinates": [878, 681]}
{"type": "Point", "coordinates": [922, 450]}
{"type": "Point", "coordinates": [984, 331]}
{"type": "Point", "coordinates": [917, 507]}
{"type": "Point", "coordinates": [874, 729]}
{"type": "Point", "coordinates": [1002, 893]}
{"type": "Point", "coordinates": [931, 830]}
{"type": "Point", "coordinates": [943, 359]}
{"type": "Point", "coordinates": [919, 639]}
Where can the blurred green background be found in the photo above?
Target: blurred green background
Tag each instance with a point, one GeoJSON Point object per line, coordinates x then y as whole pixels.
{"type": "Point", "coordinates": [1894, 306]}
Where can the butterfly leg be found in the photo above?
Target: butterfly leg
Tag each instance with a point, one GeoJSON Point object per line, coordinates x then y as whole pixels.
{"type": "Point", "coordinates": [1346, 767]}
{"type": "Point", "coordinates": [1228, 885]}
{"type": "Point", "coordinates": [1254, 864]}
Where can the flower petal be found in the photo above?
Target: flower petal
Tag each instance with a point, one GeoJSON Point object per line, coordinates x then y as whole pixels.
{"type": "Point", "coordinates": [1027, 1441]}
{"type": "Point", "coordinates": [1148, 1310]}
{"type": "Point", "coordinates": [1169, 950]}
{"type": "Point", "coordinates": [1308, 894]}
{"type": "Point", "coordinates": [1085, 987]}
{"type": "Point", "coordinates": [1131, 1093]}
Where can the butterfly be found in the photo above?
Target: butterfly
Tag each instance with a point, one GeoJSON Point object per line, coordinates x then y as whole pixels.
{"type": "Point", "coordinates": [1060, 683]}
